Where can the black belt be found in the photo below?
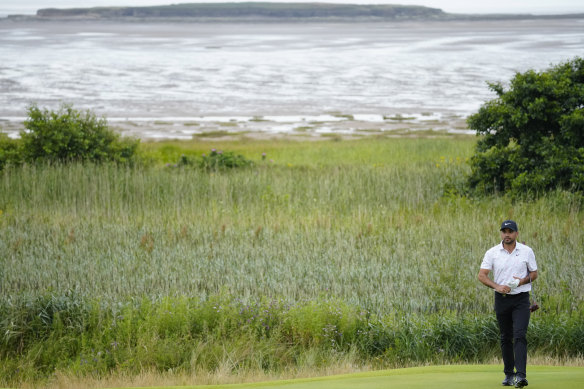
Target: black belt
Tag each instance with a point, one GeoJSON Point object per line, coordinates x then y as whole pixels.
{"type": "Point", "coordinates": [511, 295]}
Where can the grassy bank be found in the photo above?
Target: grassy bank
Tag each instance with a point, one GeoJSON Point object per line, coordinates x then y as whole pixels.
{"type": "Point", "coordinates": [160, 267]}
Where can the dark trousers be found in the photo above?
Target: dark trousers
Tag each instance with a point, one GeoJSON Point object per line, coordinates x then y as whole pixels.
{"type": "Point", "coordinates": [513, 317]}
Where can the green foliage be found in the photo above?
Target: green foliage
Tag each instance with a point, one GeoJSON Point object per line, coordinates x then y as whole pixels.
{"type": "Point", "coordinates": [213, 162]}
{"type": "Point", "coordinates": [533, 133]}
{"type": "Point", "coordinates": [330, 323]}
{"type": "Point", "coordinates": [70, 135]}
{"type": "Point", "coordinates": [434, 337]}
{"type": "Point", "coordinates": [10, 151]}
{"type": "Point", "coordinates": [83, 337]}
{"type": "Point", "coordinates": [220, 160]}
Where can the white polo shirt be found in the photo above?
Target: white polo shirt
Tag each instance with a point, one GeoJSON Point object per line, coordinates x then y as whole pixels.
{"type": "Point", "coordinates": [505, 265]}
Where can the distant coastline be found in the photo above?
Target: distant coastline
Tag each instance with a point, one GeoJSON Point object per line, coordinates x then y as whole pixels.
{"type": "Point", "coordinates": [271, 12]}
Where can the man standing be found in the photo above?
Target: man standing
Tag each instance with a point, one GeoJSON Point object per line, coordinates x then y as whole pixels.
{"type": "Point", "coordinates": [514, 268]}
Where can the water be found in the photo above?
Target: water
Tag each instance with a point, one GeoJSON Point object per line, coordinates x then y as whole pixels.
{"type": "Point", "coordinates": [137, 72]}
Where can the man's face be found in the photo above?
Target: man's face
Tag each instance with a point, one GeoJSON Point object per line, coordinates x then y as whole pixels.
{"type": "Point", "coordinates": [508, 236]}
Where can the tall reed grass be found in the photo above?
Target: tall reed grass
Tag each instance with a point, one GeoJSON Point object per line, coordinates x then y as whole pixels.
{"type": "Point", "coordinates": [381, 238]}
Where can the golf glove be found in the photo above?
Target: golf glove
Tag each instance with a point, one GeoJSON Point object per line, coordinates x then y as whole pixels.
{"type": "Point", "coordinates": [513, 284]}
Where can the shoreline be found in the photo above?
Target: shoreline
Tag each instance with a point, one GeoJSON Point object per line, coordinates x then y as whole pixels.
{"type": "Point", "coordinates": [326, 125]}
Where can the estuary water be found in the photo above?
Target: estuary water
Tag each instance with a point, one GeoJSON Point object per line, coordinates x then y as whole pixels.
{"type": "Point", "coordinates": [207, 71]}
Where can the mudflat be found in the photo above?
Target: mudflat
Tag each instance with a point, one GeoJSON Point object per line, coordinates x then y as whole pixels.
{"type": "Point", "coordinates": [176, 80]}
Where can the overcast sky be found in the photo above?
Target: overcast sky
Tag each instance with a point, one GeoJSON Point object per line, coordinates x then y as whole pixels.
{"type": "Point", "coordinates": [454, 6]}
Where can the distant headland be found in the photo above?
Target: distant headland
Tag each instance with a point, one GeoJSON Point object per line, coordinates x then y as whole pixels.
{"type": "Point", "coordinates": [271, 12]}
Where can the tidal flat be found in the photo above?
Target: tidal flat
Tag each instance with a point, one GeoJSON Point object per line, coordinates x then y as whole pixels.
{"type": "Point", "coordinates": [149, 79]}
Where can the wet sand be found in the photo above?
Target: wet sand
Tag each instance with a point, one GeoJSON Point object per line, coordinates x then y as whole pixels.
{"type": "Point", "coordinates": [270, 127]}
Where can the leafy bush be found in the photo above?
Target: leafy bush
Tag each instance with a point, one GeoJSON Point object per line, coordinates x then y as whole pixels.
{"type": "Point", "coordinates": [10, 151]}
{"type": "Point", "coordinates": [70, 135]}
{"type": "Point", "coordinates": [214, 161]}
{"type": "Point", "coordinates": [219, 160]}
{"type": "Point", "coordinates": [533, 133]}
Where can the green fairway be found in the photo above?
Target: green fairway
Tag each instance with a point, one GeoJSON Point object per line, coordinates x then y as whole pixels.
{"type": "Point", "coordinates": [434, 377]}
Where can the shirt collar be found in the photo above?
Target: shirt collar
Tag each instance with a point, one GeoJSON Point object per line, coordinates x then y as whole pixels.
{"type": "Point", "coordinates": [517, 245]}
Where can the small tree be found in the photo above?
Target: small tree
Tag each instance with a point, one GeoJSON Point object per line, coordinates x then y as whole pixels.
{"type": "Point", "coordinates": [533, 133]}
{"type": "Point", "coordinates": [70, 135]}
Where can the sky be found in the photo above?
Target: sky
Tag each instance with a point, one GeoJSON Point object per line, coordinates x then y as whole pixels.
{"type": "Point", "coordinates": [453, 6]}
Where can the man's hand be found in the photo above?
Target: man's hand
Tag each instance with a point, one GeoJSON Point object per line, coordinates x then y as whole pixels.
{"type": "Point", "coordinates": [503, 289]}
{"type": "Point", "coordinates": [484, 278]}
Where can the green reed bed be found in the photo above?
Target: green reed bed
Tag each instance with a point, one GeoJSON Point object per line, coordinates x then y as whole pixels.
{"type": "Point", "coordinates": [94, 256]}
{"type": "Point", "coordinates": [381, 238]}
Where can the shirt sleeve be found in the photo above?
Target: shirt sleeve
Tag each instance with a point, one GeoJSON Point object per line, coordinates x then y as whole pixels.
{"type": "Point", "coordinates": [531, 264]}
{"type": "Point", "coordinates": [488, 261]}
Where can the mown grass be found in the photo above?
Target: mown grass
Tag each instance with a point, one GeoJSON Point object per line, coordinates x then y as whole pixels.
{"type": "Point", "coordinates": [156, 267]}
{"type": "Point", "coordinates": [439, 377]}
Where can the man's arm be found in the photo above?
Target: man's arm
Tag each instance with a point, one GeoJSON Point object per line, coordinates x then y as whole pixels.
{"type": "Point", "coordinates": [526, 280]}
{"type": "Point", "coordinates": [484, 278]}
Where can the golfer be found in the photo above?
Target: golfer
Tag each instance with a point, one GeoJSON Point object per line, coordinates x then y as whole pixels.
{"type": "Point", "coordinates": [514, 268]}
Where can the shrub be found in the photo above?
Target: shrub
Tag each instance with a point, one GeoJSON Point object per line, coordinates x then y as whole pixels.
{"type": "Point", "coordinates": [10, 151]}
{"type": "Point", "coordinates": [70, 135]}
{"type": "Point", "coordinates": [533, 133]}
{"type": "Point", "coordinates": [219, 160]}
